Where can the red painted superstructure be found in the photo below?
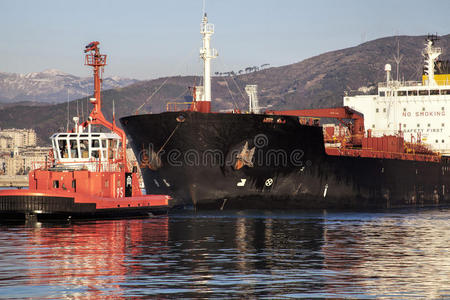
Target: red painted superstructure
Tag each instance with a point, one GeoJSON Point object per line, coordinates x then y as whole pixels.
{"type": "Point", "coordinates": [352, 140]}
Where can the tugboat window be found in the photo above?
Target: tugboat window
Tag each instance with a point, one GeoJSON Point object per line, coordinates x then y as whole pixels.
{"type": "Point", "coordinates": [63, 148]}
{"type": "Point", "coordinates": [95, 154]}
{"type": "Point", "coordinates": [84, 148]}
{"type": "Point", "coordinates": [55, 184]}
{"type": "Point", "coordinates": [74, 149]}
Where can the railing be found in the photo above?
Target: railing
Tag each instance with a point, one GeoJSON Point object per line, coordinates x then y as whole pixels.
{"type": "Point", "coordinates": [178, 106]}
{"type": "Point", "coordinates": [398, 84]}
{"type": "Point", "coordinates": [40, 165]}
{"type": "Point", "coordinates": [91, 165]}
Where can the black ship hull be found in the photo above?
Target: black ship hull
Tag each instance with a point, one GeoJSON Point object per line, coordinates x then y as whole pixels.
{"type": "Point", "coordinates": [41, 207]}
{"type": "Point", "coordinates": [197, 158]}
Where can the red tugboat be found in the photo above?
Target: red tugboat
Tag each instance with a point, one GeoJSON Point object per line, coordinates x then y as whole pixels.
{"type": "Point", "coordinates": [89, 175]}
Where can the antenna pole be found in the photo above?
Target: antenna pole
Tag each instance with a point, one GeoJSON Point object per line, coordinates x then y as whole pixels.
{"type": "Point", "coordinates": [68, 110]}
{"type": "Point", "coordinates": [97, 61]}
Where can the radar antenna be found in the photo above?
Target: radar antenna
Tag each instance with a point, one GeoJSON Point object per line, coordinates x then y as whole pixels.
{"type": "Point", "coordinates": [431, 53]}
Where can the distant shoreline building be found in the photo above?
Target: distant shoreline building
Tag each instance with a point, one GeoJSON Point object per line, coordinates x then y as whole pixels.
{"type": "Point", "coordinates": [19, 153]}
{"type": "Point", "coordinates": [13, 137]}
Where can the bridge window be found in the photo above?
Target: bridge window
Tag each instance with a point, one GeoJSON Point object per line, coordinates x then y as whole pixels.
{"type": "Point", "coordinates": [84, 148]}
{"type": "Point", "coordinates": [401, 93]}
{"type": "Point", "coordinates": [434, 92]}
{"type": "Point", "coordinates": [382, 94]}
{"type": "Point", "coordinates": [423, 92]}
{"type": "Point", "coordinates": [412, 93]}
{"type": "Point", "coordinates": [112, 149]}
{"type": "Point", "coordinates": [95, 154]}
{"type": "Point", "coordinates": [445, 92]}
{"type": "Point", "coordinates": [62, 144]}
{"type": "Point", "coordinates": [74, 148]}
{"type": "Point", "coordinates": [95, 143]}
{"type": "Point", "coordinates": [377, 110]}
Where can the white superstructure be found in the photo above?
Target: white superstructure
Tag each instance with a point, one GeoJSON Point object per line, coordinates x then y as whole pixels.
{"type": "Point", "coordinates": [86, 149]}
{"type": "Point", "coordinates": [421, 110]}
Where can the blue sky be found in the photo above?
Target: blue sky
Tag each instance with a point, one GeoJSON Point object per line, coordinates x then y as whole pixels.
{"type": "Point", "coordinates": [149, 39]}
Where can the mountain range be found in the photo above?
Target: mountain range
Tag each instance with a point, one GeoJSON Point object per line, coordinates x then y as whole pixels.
{"type": "Point", "coordinates": [319, 81]}
{"type": "Point", "coordinates": [51, 86]}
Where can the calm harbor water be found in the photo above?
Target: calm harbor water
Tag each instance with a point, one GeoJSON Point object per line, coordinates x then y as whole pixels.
{"type": "Point", "coordinates": [231, 254]}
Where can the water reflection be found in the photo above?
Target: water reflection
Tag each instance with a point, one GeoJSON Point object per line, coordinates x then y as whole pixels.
{"type": "Point", "coordinates": [86, 259]}
{"type": "Point", "coordinates": [240, 254]}
{"type": "Point", "coordinates": [390, 256]}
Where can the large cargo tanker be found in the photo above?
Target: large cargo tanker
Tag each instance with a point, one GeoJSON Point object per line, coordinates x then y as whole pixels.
{"type": "Point", "coordinates": [287, 159]}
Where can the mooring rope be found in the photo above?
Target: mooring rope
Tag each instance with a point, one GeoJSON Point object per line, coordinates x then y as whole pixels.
{"type": "Point", "coordinates": [168, 139]}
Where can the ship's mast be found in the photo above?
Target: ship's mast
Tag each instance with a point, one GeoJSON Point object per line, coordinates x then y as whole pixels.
{"type": "Point", "coordinates": [97, 61]}
{"type": "Point", "coordinates": [206, 53]}
{"type": "Point", "coordinates": [431, 53]}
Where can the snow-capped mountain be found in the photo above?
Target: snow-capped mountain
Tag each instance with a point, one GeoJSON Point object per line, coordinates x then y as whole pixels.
{"type": "Point", "coordinates": [51, 86]}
